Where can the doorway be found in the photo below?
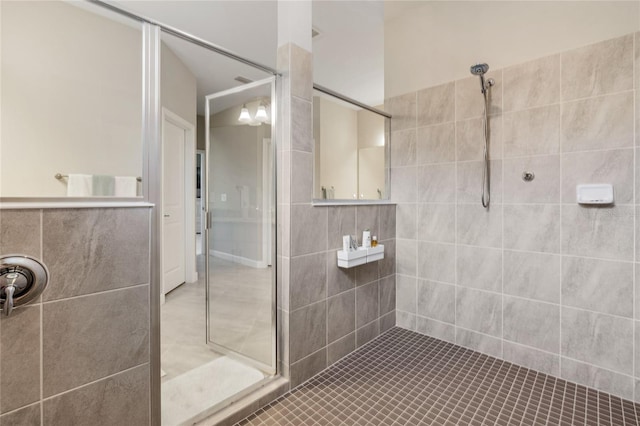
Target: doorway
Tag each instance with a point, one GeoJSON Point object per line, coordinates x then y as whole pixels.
{"type": "Point", "coordinates": [178, 210]}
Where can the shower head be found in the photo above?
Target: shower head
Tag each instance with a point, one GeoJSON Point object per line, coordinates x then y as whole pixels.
{"type": "Point", "coordinates": [479, 69]}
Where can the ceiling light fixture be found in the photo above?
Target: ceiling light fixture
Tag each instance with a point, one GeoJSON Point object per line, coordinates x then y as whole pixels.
{"type": "Point", "coordinates": [244, 115]}
{"type": "Point", "coordinates": [261, 114]}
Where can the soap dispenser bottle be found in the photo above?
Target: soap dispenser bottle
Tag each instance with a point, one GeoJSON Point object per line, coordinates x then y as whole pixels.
{"type": "Point", "coordinates": [366, 238]}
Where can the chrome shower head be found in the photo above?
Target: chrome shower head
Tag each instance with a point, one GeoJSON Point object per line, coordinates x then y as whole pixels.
{"type": "Point", "coordinates": [479, 69]}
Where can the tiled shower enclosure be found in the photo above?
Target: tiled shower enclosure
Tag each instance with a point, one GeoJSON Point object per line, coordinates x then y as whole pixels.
{"type": "Point", "coordinates": [536, 279]}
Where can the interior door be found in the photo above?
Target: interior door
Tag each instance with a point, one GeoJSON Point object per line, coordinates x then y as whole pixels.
{"type": "Point", "coordinates": [240, 200]}
{"type": "Point", "coordinates": [173, 205]}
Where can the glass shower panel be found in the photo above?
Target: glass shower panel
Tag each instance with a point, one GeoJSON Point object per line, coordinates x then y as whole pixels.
{"type": "Point", "coordinates": [240, 204]}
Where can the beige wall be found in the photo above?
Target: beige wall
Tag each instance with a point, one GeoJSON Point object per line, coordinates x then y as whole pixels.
{"type": "Point", "coordinates": [178, 87]}
{"type": "Point", "coordinates": [71, 98]}
{"type": "Point", "coordinates": [439, 41]}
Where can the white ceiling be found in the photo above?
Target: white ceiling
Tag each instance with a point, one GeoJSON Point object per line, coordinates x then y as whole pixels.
{"type": "Point", "coordinates": [348, 55]}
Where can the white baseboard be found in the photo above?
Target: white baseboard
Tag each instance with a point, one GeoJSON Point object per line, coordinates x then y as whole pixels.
{"type": "Point", "coordinates": [238, 259]}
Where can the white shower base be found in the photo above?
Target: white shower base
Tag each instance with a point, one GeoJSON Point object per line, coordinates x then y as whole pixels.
{"type": "Point", "coordinates": [197, 390]}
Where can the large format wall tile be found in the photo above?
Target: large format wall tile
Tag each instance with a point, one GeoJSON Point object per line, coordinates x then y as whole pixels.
{"type": "Point", "coordinates": [600, 68]}
{"type": "Point", "coordinates": [470, 139]}
{"type": "Point", "coordinates": [387, 301]}
{"type": "Point", "coordinates": [604, 122]}
{"type": "Point", "coordinates": [301, 125]}
{"type": "Point", "coordinates": [532, 132]}
{"type": "Point", "coordinates": [437, 183]}
{"type": "Point", "coordinates": [387, 266]}
{"type": "Point", "coordinates": [387, 219]}
{"type": "Point", "coordinates": [406, 220]}
{"type": "Point", "coordinates": [614, 167]}
{"type": "Point", "coordinates": [91, 250]}
{"type": "Point", "coordinates": [479, 311]}
{"type": "Point", "coordinates": [403, 110]}
{"type": "Point", "coordinates": [594, 377]}
{"type": "Point", "coordinates": [341, 348]}
{"type": "Point", "coordinates": [403, 184]}
{"type": "Point", "coordinates": [598, 232]}
{"type": "Point", "coordinates": [532, 323]}
{"type": "Point", "coordinates": [117, 400]}
{"type": "Point", "coordinates": [544, 188]}
{"type": "Point", "coordinates": [479, 342]}
{"type": "Point", "coordinates": [406, 257]}
{"type": "Point", "coordinates": [308, 367]}
{"type": "Point", "coordinates": [436, 105]}
{"type": "Point", "coordinates": [479, 267]}
{"type": "Point", "coordinates": [308, 229]}
{"type": "Point", "coordinates": [532, 84]}
{"type": "Point", "coordinates": [308, 278]}
{"type": "Point", "coordinates": [367, 300]}
{"type": "Point", "coordinates": [406, 293]}
{"type": "Point", "coordinates": [532, 228]}
{"type": "Point", "coordinates": [367, 217]}
{"type": "Point", "coordinates": [302, 169]}
{"type": "Point", "coordinates": [437, 329]}
{"type": "Point", "coordinates": [436, 301]}
{"type": "Point", "coordinates": [342, 221]}
{"type": "Point", "coordinates": [436, 261]}
{"type": "Point", "coordinates": [90, 337]}
{"type": "Point", "coordinates": [469, 181]}
{"type": "Point", "coordinates": [436, 144]}
{"type": "Point", "coordinates": [469, 99]}
{"type": "Point", "coordinates": [20, 232]}
{"type": "Point", "coordinates": [478, 226]}
{"type": "Point", "coordinates": [598, 285]}
{"type": "Point", "coordinates": [532, 275]}
{"type": "Point", "coordinates": [437, 222]}
{"type": "Point", "coordinates": [20, 361]}
{"type": "Point", "coordinates": [27, 416]}
{"type": "Point", "coordinates": [341, 315]}
{"type": "Point", "coordinates": [338, 279]}
{"type": "Point", "coordinates": [403, 148]}
{"type": "Point", "coordinates": [307, 330]}
{"type": "Point", "coordinates": [590, 337]}
{"type": "Point", "coordinates": [532, 358]}
{"type": "Point", "coordinates": [367, 333]}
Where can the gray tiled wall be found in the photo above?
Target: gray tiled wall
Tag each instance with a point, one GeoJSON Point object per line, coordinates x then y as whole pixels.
{"type": "Point", "coordinates": [80, 355]}
{"type": "Point", "coordinates": [536, 279]}
{"type": "Point", "coordinates": [325, 312]}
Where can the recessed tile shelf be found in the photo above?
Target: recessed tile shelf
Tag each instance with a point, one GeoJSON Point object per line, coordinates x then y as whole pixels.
{"type": "Point", "coordinates": [349, 259]}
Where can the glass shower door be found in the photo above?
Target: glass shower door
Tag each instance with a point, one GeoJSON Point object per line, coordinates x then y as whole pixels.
{"type": "Point", "coordinates": [240, 203]}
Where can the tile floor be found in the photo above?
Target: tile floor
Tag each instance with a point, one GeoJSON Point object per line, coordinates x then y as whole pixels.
{"type": "Point", "coordinates": [405, 378]}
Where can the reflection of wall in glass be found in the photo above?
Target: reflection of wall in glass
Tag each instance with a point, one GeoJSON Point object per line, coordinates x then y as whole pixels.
{"type": "Point", "coordinates": [236, 190]}
{"type": "Point", "coordinates": [349, 151]}
{"type": "Point", "coordinates": [71, 98]}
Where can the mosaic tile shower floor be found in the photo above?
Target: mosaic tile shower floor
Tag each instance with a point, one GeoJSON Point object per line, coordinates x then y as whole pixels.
{"type": "Point", "coordinates": [405, 378]}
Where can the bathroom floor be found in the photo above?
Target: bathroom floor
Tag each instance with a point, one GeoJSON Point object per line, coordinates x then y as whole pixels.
{"type": "Point", "coordinates": [195, 376]}
{"type": "Point", "coordinates": [405, 378]}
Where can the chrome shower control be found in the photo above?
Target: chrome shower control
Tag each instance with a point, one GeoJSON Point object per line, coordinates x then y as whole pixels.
{"type": "Point", "coordinates": [22, 279]}
{"type": "Point", "coordinates": [528, 176]}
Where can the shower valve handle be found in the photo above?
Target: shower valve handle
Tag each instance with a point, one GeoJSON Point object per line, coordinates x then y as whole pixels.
{"type": "Point", "coordinates": [9, 290]}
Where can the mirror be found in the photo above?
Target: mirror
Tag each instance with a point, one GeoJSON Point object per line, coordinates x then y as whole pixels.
{"type": "Point", "coordinates": [71, 101]}
{"type": "Point", "coordinates": [351, 150]}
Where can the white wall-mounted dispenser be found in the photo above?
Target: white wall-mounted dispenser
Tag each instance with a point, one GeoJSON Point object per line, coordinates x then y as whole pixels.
{"type": "Point", "coordinates": [600, 193]}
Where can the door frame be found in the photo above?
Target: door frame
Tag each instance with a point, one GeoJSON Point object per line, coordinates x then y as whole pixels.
{"type": "Point", "coordinates": [191, 273]}
{"type": "Point", "coordinates": [272, 367]}
{"type": "Point", "coordinates": [203, 189]}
